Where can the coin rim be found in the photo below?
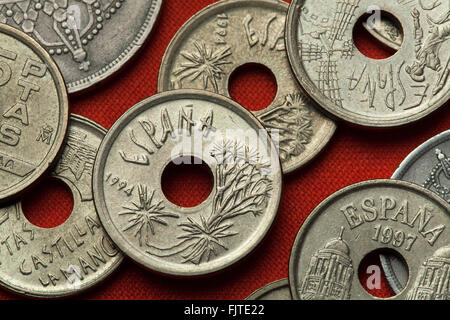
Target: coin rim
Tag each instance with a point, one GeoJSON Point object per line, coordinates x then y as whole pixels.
{"type": "Point", "coordinates": [124, 57]}
{"type": "Point", "coordinates": [336, 196]}
{"type": "Point", "coordinates": [119, 239]}
{"type": "Point", "coordinates": [325, 103]}
{"type": "Point", "coordinates": [277, 284]}
{"type": "Point", "coordinates": [196, 20]}
{"type": "Point", "coordinates": [104, 275]}
{"type": "Point", "coordinates": [63, 106]}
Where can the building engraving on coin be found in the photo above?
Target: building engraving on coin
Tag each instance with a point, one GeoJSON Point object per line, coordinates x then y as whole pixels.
{"type": "Point", "coordinates": [330, 273]}
{"type": "Point", "coordinates": [73, 256]}
{"type": "Point", "coordinates": [75, 32]}
{"type": "Point", "coordinates": [433, 280]}
{"type": "Point", "coordinates": [170, 128]}
{"type": "Point", "coordinates": [229, 34]}
{"type": "Point", "coordinates": [389, 92]}
{"type": "Point", "coordinates": [439, 179]}
{"type": "Point", "coordinates": [375, 214]}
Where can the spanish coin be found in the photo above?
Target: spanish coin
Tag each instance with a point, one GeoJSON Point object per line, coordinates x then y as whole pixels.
{"type": "Point", "coordinates": [428, 166]}
{"type": "Point", "coordinates": [34, 111]}
{"type": "Point", "coordinates": [277, 290]}
{"type": "Point", "coordinates": [386, 31]}
{"type": "Point", "coordinates": [173, 127]}
{"type": "Point", "coordinates": [69, 258]}
{"type": "Point", "coordinates": [368, 216]}
{"type": "Point", "coordinates": [377, 93]}
{"type": "Point", "coordinates": [229, 34]}
{"type": "Point", "coordinates": [89, 39]}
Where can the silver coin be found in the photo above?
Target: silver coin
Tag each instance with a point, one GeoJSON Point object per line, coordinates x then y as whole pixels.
{"type": "Point", "coordinates": [34, 111]}
{"type": "Point", "coordinates": [364, 217]}
{"type": "Point", "coordinates": [428, 166]}
{"type": "Point", "coordinates": [172, 127]}
{"type": "Point", "coordinates": [378, 93]}
{"type": "Point", "coordinates": [228, 34]}
{"type": "Point", "coordinates": [277, 290]}
{"type": "Point", "coordinates": [73, 256]}
{"type": "Point", "coordinates": [89, 39]}
{"type": "Point", "coordinates": [387, 32]}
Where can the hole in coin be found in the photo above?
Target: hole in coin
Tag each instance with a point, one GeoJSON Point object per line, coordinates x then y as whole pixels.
{"type": "Point", "coordinates": [187, 181]}
{"type": "Point", "coordinates": [49, 204]}
{"type": "Point", "coordinates": [370, 46]}
{"type": "Point", "coordinates": [253, 86]}
{"type": "Point", "coordinates": [371, 274]}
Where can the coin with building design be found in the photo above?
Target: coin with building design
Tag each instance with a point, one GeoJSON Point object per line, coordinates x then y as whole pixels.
{"type": "Point", "coordinates": [172, 127]}
{"type": "Point", "coordinates": [33, 111]}
{"type": "Point", "coordinates": [73, 256]}
{"type": "Point", "coordinates": [89, 39]}
{"type": "Point", "coordinates": [229, 34]}
{"type": "Point", "coordinates": [429, 166]}
{"type": "Point", "coordinates": [365, 217]}
{"type": "Point", "coordinates": [377, 93]}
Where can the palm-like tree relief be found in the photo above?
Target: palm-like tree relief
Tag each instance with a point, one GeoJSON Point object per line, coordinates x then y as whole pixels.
{"type": "Point", "coordinates": [143, 215]}
{"type": "Point", "coordinates": [293, 120]}
{"type": "Point", "coordinates": [204, 63]}
{"type": "Point", "coordinates": [241, 188]}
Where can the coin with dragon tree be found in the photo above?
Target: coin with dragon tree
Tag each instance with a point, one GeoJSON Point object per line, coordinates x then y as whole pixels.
{"type": "Point", "coordinates": [368, 92]}
{"type": "Point", "coordinates": [365, 217]}
{"type": "Point", "coordinates": [71, 257]}
{"type": "Point", "coordinates": [172, 127]}
{"type": "Point", "coordinates": [229, 34]}
{"type": "Point", "coordinates": [88, 39]}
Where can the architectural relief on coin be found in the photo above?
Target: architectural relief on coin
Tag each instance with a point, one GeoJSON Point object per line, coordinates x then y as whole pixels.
{"type": "Point", "coordinates": [79, 33]}
{"type": "Point", "coordinates": [389, 92]}
{"type": "Point", "coordinates": [229, 34]}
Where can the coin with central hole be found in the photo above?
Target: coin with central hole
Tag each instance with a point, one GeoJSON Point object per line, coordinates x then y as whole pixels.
{"type": "Point", "coordinates": [230, 34]}
{"type": "Point", "coordinates": [428, 166]}
{"type": "Point", "coordinates": [365, 217]}
{"type": "Point", "coordinates": [177, 126]}
{"type": "Point", "coordinates": [377, 93]}
{"type": "Point", "coordinates": [277, 290]}
{"type": "Point", "coordinates": [34, 111]}
{"type": "Point", "coordinates": [90, 39]}
{"type": "Point", "coordinates": [73, 256]}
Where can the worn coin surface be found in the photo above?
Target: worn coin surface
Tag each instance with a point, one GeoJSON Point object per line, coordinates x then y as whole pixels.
{"type": "Point", "coordinates": [34, 111]}
{"type": "Point", "coordinates": [377, 93]}
{"type": "Point", "coordinates": [229, 34]}
{"type": "Point", "coordinates": [428, 166]}
{"type": "Point", "coordinates": [386, 31]}
{"type": "Point", "coordinates": [368, 216]}
{"type": "Point", "coordinates": [73, 256]}
{"type": "Point", "coordinates": [173, 127]}
{"type": "Point", "coordinates": [89, 39]}
{"type": "Point", "coordinates": [277, 290]}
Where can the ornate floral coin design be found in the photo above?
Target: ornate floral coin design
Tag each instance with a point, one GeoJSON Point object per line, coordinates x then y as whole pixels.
{"type": "Point", "coordinates": [89, 39]}
{"type": "Point", "coordinates": [34, 111]}
{"type": "Point", "coordinates": [73, 256]}
{"type": "Point", "coordinates": [172, 127]}
{"type": "Point", "coordinates": [228, 34]}
{"type": "Point", "coordinates": [377, 93]}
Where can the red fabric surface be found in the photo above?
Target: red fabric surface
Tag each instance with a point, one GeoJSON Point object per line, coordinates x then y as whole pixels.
{"type": "Point", "coordinates": [352, 155]}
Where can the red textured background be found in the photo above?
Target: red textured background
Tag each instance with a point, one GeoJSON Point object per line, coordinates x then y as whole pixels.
{"type": "Point", "coordinates": [352, 155]}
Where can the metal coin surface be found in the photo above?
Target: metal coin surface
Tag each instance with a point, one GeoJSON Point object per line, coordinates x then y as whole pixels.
{"type": "Point", "coordinates": [172, 127]}
{"type": "Point", "coordinates": [377, 93]}
{"type": "Point", "coordinates": [277, 290]}
{"type": "Point", "coordinates": [73, 256]}
{"type": "Point", "coordinates": [387, 32]}
{"type": "Point", "coordinates": [89, 39]}
{"type": "Point", "coordinates": [34, 111]}
{"type": "Point", "coordinates": [428, 166]}
{"type": "Point", "coordinates": [229, 34]}
{"type": "Point", "coordinates": [364, 217]}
